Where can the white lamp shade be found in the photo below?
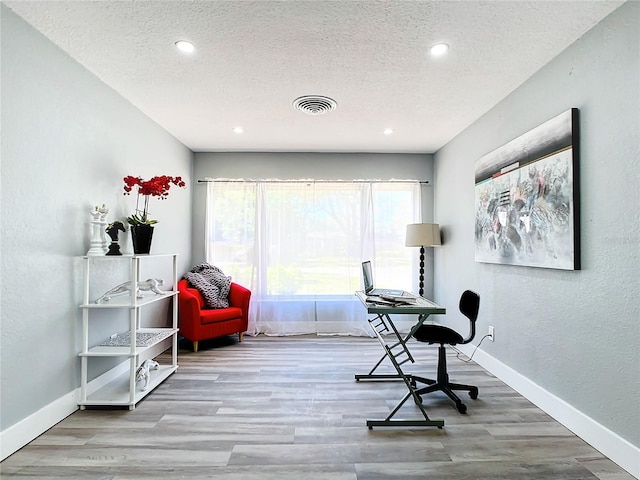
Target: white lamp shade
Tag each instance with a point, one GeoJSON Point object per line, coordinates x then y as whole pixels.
{"type": "Point", "coordinates": [423, 235]}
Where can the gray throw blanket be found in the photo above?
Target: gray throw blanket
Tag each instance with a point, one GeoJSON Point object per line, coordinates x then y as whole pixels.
{"type": "Point", "coordinates": [212, 284]}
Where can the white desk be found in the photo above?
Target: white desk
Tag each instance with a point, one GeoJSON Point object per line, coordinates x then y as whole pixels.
{"type": "Point", "coordinates": [398, 353]}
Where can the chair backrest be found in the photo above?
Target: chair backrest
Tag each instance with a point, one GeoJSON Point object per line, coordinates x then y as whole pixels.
{"type": "Point", "coordinates": [469, 307]}
{"type": "Point", "coordinates": [183, 286]}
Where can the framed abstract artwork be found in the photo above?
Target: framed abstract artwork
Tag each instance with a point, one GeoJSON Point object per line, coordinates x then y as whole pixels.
{"type": "Point", "coordinates": [527, 198]}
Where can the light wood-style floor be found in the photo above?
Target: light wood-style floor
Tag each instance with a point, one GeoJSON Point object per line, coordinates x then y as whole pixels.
{"type": "Point", "coordinates": [279, 408]}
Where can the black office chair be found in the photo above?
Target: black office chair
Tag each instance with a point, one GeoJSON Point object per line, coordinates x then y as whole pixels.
{"type": "Point", "coordinates": [469, 305]}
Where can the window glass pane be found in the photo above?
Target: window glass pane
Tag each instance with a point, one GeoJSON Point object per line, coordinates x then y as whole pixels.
{"type": "Point", "coordinates": [230, 236]}
{"type": "Point", "coordinates": [393, 209]}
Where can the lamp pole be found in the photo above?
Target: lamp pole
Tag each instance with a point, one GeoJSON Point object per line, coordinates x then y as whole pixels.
{"type": "Point", "coordinates": [421, 284]}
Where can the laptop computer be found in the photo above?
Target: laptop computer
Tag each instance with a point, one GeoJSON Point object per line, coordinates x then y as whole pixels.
{"type": "Point", "coordinates": [367, 275]}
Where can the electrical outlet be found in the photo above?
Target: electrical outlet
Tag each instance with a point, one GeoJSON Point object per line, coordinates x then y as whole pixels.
{"type": "Point", "coordinates": [492, 334]}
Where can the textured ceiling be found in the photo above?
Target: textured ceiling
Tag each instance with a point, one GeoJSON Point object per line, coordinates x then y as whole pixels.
{"type": "Point", "coordinates": [254, 58]}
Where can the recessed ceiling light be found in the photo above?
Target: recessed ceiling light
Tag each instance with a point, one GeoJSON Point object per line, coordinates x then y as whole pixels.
{"type": "Point", "coordinates": [185, 46]}
{"type": "Point", "coordinates": [388, 131]}
{"type": "Point", "coordinates": [439, 49]}
{"type": "Point", "coordinates": [238, 130]}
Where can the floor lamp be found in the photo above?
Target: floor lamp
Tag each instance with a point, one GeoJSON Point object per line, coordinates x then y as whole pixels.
{"type": "Point", "coordinates": [422, 235]}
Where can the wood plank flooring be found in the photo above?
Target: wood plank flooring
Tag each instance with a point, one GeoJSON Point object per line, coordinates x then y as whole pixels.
{"type": "Point", "coordinates": [280, 408]}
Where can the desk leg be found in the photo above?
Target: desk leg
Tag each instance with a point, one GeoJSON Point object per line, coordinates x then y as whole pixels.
{"type": "Point", "coordinates": [410, 384]}
{"type": "Point", "coordinates": [390, 422]}
{"type": "Point", "coordinates": [398, 356]}
{"type": "Point", "coordinates": [379, 376]}
{"type": "Point", "coordinates": [381, 325]}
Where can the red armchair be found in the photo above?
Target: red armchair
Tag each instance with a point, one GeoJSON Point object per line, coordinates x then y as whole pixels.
{"type": "Point", "coordinates": [197, 322]}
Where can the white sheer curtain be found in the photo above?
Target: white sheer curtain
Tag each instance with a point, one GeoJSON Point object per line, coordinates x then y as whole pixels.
{"type": "Point", "coordinates": [298, 246]}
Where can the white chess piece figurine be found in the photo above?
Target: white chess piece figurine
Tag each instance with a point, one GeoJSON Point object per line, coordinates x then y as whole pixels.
{"type": "Point", "coordinates": [96, 234]}
{"type": "Point", "coordinates": [144, 372]}
{"type": "Point", "coordinates": [103, 228]}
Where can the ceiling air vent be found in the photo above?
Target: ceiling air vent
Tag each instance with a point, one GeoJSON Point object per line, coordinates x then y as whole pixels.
{"type": "Point", "coordinates": [314, 104]}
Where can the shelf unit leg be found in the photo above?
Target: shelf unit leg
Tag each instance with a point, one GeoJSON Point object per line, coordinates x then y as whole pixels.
{"type": "Point", "coordinates": [83, 380]}
{"type": "Point", "coordinates": [174, 343]}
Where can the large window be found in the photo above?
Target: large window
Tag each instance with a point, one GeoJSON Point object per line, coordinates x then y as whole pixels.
{"type": "Point", "coordinates": [299, 246]}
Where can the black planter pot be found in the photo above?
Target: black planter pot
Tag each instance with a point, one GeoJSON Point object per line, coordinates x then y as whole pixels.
{"type": "Point", "coordinates": [141, 236]}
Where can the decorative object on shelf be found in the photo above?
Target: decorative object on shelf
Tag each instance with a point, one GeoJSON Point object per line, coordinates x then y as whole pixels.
{"type": "Point", "coordinates": [423, 235]}
{"type": "Point", "coordinates": [144, 372]}
{"type": "Point", "coordinates": [103, 224]}
{"type": "Point", "coordinates": [98, 234]}
{"type": "Point", "coordinates": [141, 236]}
{"type": "Point", "coordinates": [143, 339]}
{"type": "Point", "coordinates": [155, 187]}
{"type": "Point", "coordinates": [112, 231]}
{"type": "Point", "coordinates": [151, 284]}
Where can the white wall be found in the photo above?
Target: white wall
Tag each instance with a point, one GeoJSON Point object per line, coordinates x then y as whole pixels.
{"type": "Point", "coordinates": [574, 334]}
{"type": "Point", "coordinates": [67, 142]}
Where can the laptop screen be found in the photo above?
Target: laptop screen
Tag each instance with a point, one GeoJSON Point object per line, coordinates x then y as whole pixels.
{"type": "Point", "coordinates": [367, 276]}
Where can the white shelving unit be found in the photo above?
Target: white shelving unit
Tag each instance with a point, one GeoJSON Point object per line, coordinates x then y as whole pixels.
{"type": "Point", "coordinates": [118, 387]}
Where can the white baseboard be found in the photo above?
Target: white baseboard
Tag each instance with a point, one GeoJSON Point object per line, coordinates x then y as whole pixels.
{"type": "Point", "coordinates": [601, 438]}
{"type": "Point", "coordinates": [18, 435]}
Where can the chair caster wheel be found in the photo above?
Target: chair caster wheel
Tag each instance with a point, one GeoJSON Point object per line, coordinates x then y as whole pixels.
{"type": "Point", "coordinates": [473, 393]}
{"type": "Point", "coordinates": [462, 408]}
